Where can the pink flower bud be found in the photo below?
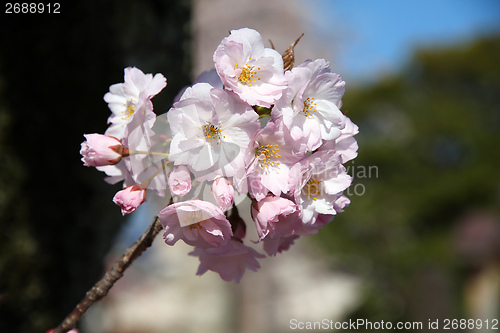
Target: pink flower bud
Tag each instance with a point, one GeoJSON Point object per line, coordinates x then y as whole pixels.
{"type": "Point", "coordinates": [179, 180]}
{"type": "Point", "coordinates": [130, 198]}
{"type": "Point", "coordinates": [223, 193]}
{"type": "Point", "coordinates": [100, 150]}
{"type": "Point", "coordinates": [275, 217]}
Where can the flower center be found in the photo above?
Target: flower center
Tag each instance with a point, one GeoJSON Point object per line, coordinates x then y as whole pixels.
{"type": "Point", "coordinates": [247, 74]}
{"type": "Point", "coordinates": [195, 226]}
{"type": "Point", "coordinates": [309, 106]}
{"type": "Point", "coordinates": [129, 109]}
{"type": "Point", "coordinates": [212, 132]}
{"type": "Point", "coordinates": [312, 188]}
{"type": "Point", "coordinates": [270, 153]}
{"type": "Point", "coordinates": [191, 220]}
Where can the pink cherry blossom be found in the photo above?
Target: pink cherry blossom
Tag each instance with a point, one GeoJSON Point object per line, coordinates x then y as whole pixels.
{"type": "Point", "coordinates": [273, 153]}
{"type": "Point", "coordinates": [198, 223]}
{"type": "Point", "coordinates": [179, 180]}
{"type": "Point", "coordinates": [229, 261]}
{"type": "Point", "coordinates": [223, 193]}
{"type": "Point", "coordinates": [211, 131]}
{"type": "Point", "coordinates": [131, 121]}
{"type": "Point", "coordinates": [130, 198]}
{"type": "Point", "coordinates": [253, 72]}
{"type": "Point", "coordinates": [310, 106]}
{"type": "Point", "coordinates": [132, 99]}
{"type": "Point", "coordinates": [215, 149]}
{"type": "Point", "coordinates": [345, 145]}
{"type": "Point", "coordinates": [323, 179]}
{"type": "Point", "coordinates": [274, 217]}
{"type": "Point", "coordinates": [100, 150]}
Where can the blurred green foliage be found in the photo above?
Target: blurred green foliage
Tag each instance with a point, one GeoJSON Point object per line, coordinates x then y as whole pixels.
{"type": "Point", "coordinates": [432, 133]}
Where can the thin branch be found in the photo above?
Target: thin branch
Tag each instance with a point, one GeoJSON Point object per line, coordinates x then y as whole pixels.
{"type": "Point", "coordinates": [101, 288]}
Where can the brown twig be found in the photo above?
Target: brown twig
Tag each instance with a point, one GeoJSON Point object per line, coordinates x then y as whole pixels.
{"type": "Point", "coordinates": [101, 288]}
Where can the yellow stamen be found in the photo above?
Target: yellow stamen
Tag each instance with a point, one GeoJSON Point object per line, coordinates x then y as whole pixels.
{"type": "Point", "coordinates": [270, 155]}
{"type": "Point", "coordinates": [192, 219]}
{"type": "Point", "coordinates": [247, 74]}
{"type": "Point", "coordinates": [211, 132]}
{"type": "Point", "coordinates": [130, 109]}
{"type": "Point", "coordinates": [312, 188]}
{"type": "Point", "coordinates": [309, 106]}
{"type": "Point", "coordinates": [195, 226]}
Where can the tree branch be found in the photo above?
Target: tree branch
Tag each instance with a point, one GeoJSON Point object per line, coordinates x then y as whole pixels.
{"type": "Point", "coordinates": [101, 288]}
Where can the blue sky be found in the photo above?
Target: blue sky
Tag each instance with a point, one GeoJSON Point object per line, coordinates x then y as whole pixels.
{"type": "Point", "coordinates": [369, 37]}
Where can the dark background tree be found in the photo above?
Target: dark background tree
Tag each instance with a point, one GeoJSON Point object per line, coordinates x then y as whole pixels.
{"type": "Point", "coordinates": [54, 70]}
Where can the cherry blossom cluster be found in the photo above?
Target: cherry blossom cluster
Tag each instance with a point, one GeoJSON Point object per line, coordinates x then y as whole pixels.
{"type": "Point", "coordinates": [246, 133]}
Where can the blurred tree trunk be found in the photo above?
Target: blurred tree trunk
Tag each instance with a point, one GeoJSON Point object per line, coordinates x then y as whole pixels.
{"type": "Point", "coordinates": [57, 220]}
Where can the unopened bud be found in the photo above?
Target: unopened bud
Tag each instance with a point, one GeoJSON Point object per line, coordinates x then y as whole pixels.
{"type": "Point", "coordinates": [100, 150]}
{"type": "Point", "coordinates": [130, 198]}
{"type": "Point", "coordinates": [223, 193]}
{"type": "Point", "coordinates": [179, 180]}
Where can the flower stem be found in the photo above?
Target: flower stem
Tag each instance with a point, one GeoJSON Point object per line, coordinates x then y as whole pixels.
{"type": "Point", "coordinates": [101, 288]}
{"type": "Point", "coordinates": [136, 152]}
{"type": "Point", "coordinates": [145, 184]}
